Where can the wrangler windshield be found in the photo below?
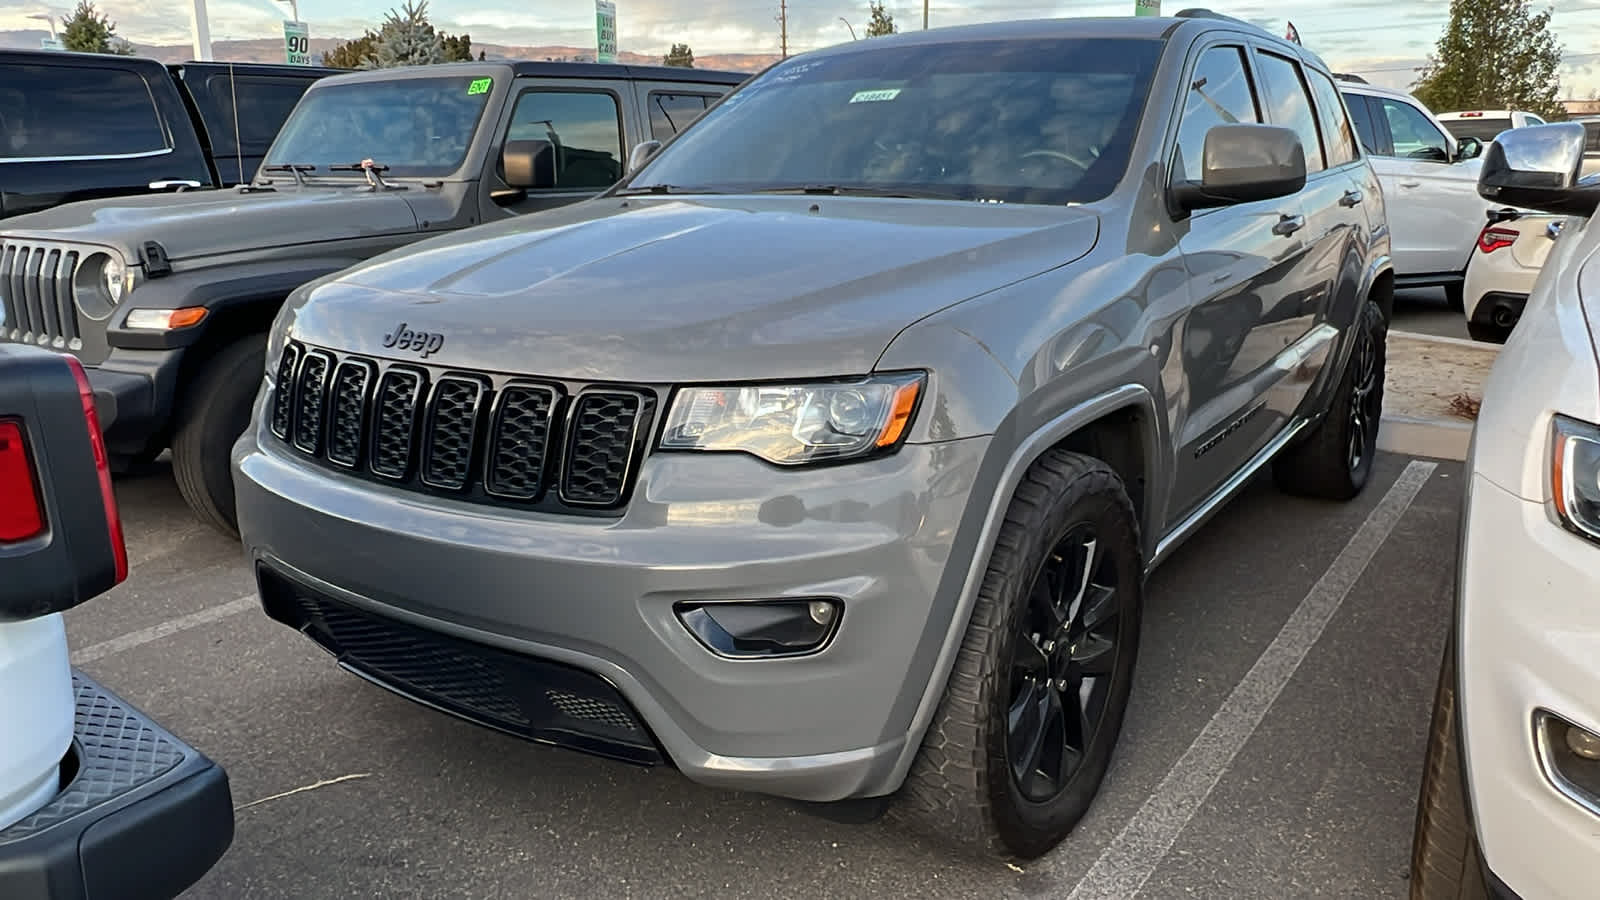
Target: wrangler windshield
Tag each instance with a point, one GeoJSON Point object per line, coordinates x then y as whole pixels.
{"type": "Point", "coordinates": [1037, 121]}
{"type": "Point", "coordinates": [415, 126]}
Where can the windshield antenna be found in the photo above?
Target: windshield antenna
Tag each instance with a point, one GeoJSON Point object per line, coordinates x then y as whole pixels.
{"type": "Point", "coordinates": [238, 144]}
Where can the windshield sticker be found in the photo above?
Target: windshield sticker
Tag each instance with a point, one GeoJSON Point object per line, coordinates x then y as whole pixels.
{"type": "Point", "coordinates": [874, 96]}
{"type": "Point", "coordinates": [479, 86]}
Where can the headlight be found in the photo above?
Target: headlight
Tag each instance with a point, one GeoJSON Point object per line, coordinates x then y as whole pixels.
{"type": "Point", "coordinates": [795, 424]}
{"type": "Point", "coordinates": [1575, 476]}
{"type": "Point", "coordinates": [100, 283]}
{"type": "Point", "coordinates": [115, 275]}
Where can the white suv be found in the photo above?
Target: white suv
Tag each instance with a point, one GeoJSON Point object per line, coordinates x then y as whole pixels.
{"type": "Point", "coordinates": [1429, 182]}
{"type": "Point", "coordinates": [1510, 799]}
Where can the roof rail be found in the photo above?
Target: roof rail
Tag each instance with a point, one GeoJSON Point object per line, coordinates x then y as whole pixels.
{"type": "Point", "coordinates": [1200, 12]}
{"type": "Point", "coordinates": [1354, 79]}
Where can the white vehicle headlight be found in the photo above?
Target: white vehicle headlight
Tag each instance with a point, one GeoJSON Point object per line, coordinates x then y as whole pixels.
{"type": "Point", "coordinates": [115, 274]}
{"type": "Point", "coordinates": [1575, 475]}
{"type": "Point", "coordinates": [796, 424]}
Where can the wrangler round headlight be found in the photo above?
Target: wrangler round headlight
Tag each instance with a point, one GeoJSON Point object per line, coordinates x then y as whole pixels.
{"type": "Point", "coordinates": [114, 275]}
{"type": "Point", "coordinates": [100, 283]}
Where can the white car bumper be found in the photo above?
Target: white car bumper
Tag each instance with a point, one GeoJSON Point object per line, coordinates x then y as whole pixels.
{"type": "Point", "coordinates": [1529, 641]}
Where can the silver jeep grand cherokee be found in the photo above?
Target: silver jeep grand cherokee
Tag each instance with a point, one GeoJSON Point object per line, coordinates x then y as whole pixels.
{"type": "Point", "coordinates": [827, 453]}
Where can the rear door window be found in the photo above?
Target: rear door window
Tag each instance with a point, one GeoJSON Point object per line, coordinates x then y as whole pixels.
{"type": "Point", "coordinates": [264, 103]}
{"type": "Point", "coordinates": [1367, 131]}
{"type": "Point", "coordinates": [66, 112]}
{"type": "Point", "coordinates": [669, 113]}
{"type": "Point", "coordinates": [1290, 104]}
{"type": "Point", "coordinates": [1337, 135]}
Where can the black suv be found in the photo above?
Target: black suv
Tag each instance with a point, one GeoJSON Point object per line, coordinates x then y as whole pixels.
{"type": "Point", "coordinates": [80, 126]}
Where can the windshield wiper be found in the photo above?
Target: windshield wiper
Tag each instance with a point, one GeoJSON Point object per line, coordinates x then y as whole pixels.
{"type": "Point", "coordinates": [374, 172]}
{"type": "Point", "coordinates": [295, 169]}
{"type": "Point", "coordinates": [857, 191]}
{"type": "Point", "coordinates": [657, 189]}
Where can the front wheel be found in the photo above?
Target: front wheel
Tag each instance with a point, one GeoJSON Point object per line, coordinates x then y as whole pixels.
{"type": "Point", "coordinates": [1030, 716]}
{"type": "Point", "coordinates": [215, 412]}
{"type": "Point", "coordinates": [1445, 860]}
{"type": "Point", "coordinates": [1335, 460]}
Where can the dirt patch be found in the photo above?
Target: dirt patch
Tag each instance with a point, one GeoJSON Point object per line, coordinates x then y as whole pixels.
{"type": "Point", "coordinates": [1435, 380]}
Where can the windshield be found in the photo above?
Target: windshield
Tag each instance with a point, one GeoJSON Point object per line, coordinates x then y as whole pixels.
{"type": "Point", "coordinates": [415, 126]}
{"type": "Point", "coordinates": [1483, 129]}
{"type": "Point", "coordinates": [1039, 121]}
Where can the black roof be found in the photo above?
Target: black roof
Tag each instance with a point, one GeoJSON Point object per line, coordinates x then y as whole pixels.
{"type": "Point", "coordinates": [257, 68]}
{"type": "Point", "coordinates": [38, 56]}
{"type": "Point", "coordinates": [108, 59]}
{"type": "Point", "coordinates": [608, 70]}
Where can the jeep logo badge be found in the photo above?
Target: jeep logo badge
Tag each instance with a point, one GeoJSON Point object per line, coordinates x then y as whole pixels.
{"type": "Point", "coordinates": [425, 342]}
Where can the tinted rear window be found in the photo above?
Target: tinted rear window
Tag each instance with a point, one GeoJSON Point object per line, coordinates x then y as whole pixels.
{"type": "Point", "coordinates": [264, 103]}
{"type": "Point", "coordinates": [52, 111]}
{"type": "Point", "coordinates": [1483, 129]}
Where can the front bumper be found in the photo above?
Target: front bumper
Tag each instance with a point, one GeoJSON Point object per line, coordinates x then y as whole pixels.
{"type": "Point", "coordinates": [1529, 640]}
{"type": "Point", "coordinates": [143, 814]}
{"type": "Point", "coordinates": [134, 391]}
{"type": "Point", "coordinates": [482, 588]}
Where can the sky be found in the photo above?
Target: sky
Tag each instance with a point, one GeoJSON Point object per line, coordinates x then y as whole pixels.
{"type": "Point", "coordinates": [1382, 39]}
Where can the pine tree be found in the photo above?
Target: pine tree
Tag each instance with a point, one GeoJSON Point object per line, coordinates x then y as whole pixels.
{"type": "Point", "coordinates": [90, 31]}
{"type": "Point", "coordinates": [680, 56]}
{"type": "Point", "coordinates": [882, 22]}
{"type": "Point", "coordinates": [361, 53]}
{"type": "Point", "coordinates": [458, 48]}
{"type": "Point", "coordinates": [407, 38]}
{"type": "Point", "coordinates": [1494, 54]}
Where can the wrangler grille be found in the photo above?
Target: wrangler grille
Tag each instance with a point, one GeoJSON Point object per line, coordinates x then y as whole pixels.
{"type": "Point", "coordinates": [36, 295]}
{"type": "Point", "coordinates": [491, 438]}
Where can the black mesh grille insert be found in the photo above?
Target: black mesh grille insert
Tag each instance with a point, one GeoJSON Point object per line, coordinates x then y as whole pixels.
{"type": "Point", "coordinates": [452, 425]}
{"type": "Point", "coordinates": [347, 419]}
{"type": "Point", "coordinates": [311, 402]}
{"type": "Point", "coordinates": [395, 420]}
{"type": "Point", "coordinates": [520, 440]}
{"type": "Point", "coordinates": [510, 441]}
{"type": "Point", "coordinates": [522, 695]}
{"type": "Point", "coordinates": [603, 431]}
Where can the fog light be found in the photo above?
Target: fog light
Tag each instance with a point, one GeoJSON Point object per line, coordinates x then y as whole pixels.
{"type": "Point", "coordinates": [1583, 743]}
{"type": "Point", "coordinates": [761, 628]}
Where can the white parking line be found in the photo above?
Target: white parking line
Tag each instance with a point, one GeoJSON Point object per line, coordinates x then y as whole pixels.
{"type": "Point", "coordinates": [1128, 861]}
{"type": "Point", "coordinates": [157, 632]}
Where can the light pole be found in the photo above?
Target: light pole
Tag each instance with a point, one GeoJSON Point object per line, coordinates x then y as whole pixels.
{"type": "Point", "coordinates": [200, 30]}
{"type": "Point", "coordinates": [849, 26]}
{"type": "Point", "coordinates": [52, 20]}
{"type": "Point", "coordinates": [294, 9]}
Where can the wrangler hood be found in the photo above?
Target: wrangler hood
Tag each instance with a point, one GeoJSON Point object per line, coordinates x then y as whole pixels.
{"type": "Point", "coordinates": [194, 224]}
{"type": "Point", "coordinates": [666, 290]}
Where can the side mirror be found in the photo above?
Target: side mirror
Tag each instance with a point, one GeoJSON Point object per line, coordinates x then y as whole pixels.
{"type": "Point", "coordinates": [1244, 164]}
{"type": "Point", "coordinates": [641, 154]}
{"type": "Point", "coordinates": [1468, 148]}
{"type": "Point", "coordinates": [530, 165]}
{"type": "Point", "coordinates": [1538, 167]}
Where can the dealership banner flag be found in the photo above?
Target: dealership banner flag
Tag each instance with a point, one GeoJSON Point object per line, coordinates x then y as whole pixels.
{"type": "Point", "coordinates": [1292, 34]}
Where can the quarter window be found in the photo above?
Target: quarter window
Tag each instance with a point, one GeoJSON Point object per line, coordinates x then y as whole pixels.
{"type": "Point", "coordinates": [1291, 104]}
{"type": "Point", "coordinates": [61, 111]}
{"type": "Point", "coordinates": [1219, 94]}
{"type": "Point", "coordinates": [585, 128]}
{"type": "Point", "coordinates": [1415, 137]}
{"type": "Point", "coordinates": [1338, 137]}
{"type": "Point", "coordinates": [669, 113]}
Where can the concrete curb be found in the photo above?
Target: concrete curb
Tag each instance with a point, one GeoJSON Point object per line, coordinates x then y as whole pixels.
{"type": "Point", "coordinates": [1431, 438]}
{"type": "Point", "coordinates": [1485, 346]}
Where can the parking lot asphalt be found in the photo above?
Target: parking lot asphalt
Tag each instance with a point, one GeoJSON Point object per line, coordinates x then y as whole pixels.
{"type": "Point", "coordinates": [1424, 311]}
{"type": "Point", "coordinates": [1273, 748]}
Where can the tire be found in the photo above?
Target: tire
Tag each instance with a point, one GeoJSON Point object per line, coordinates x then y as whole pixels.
{"type": "Point", "coordinates": [961, 789]}
{"type": "Point", "coordinates": [1445, 860]}
{"type": "Point", "coordinates": [215, 412]}
{"type": "Point", "coordinates": [1334, 461]}
{"type": "Point", "coordinates": [1455, 295]}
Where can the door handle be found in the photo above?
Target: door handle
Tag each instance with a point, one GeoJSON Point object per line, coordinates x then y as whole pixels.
{"type": "Point", "coordinates": [1350, 198]}
{"type": "Point", "coordinates": [179, 183]}
{"type": "Point", "coordinates": [1288, 225]}
{"type": "Point", "coordinates": [1410, 184]}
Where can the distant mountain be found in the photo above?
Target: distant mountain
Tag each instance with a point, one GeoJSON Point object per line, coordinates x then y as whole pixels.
{"type": "Point", "coordinates": [271, 50]}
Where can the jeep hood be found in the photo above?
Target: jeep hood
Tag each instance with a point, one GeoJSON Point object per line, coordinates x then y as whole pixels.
{"type": "Point", "coordinates": [194, 224]}
{"type": "Point", "coordinates": [668, 290]}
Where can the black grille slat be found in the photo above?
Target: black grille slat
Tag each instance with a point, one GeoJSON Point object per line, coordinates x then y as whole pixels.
{"type": "Point", "coordinates": [36, 286]}
{"type": "Point", "coordinates": [32, 318]}
{"type": "Point", "coordinates": [451, 432]}
{"type": "Point", "coordinates": [48, 313]}
{"type": "Point", "coordinates": [347, 419]}
{"type": "Point", "coordinates": [501, 440]}
{"type": "Point", "coordinates": [394, 422]}
{"type": "Point", "coordinates": [520, 441]}
{"type": "Point", "coordinates": [311, 402]}
{"type": "Point", "coordinates": [600, 447]}
{"type": "Point", "coordinates": [10, 294]}
{"type": "Point", "coordinates": [65, 308]}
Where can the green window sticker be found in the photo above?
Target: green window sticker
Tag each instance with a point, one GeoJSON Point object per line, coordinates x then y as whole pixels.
{"type": "Point", "coordinates": [875, 96]}
{"type": "Point", "coordinates": [479, 86]}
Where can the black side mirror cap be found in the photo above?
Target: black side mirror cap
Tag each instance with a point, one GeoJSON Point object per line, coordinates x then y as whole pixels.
{"type": "Point", "coordinates": [530, 165]}
{"type": "Point", "coordinates": [1468, 148]}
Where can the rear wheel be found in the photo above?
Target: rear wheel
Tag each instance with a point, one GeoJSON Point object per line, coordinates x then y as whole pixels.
{"type": "Point", "coordinates": [215, 412]}
{"type": "Point", "coordinates": [1335, 460]}
{"type": "Point", "coordinates": [1445, 861]}
{"type": "Point", "coordinates": [1024, 734]}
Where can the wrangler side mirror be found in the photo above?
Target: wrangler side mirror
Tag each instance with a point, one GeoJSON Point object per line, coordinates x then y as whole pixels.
{"type": "Point", "coordinates": [530, 165]}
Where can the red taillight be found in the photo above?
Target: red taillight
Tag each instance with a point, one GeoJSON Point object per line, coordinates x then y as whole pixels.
{"type": "Point", "coordinates": [1492, 239]}
{"type": "Point", "coordinates": [108, 498]}
{"type": "Point", "coordinates": [20, 515]}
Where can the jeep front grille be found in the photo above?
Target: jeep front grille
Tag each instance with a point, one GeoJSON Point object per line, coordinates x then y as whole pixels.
{"type": "Point", "coordinates": [36, 295]}
{"type": "Point", "coordinates": [491, 438]}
